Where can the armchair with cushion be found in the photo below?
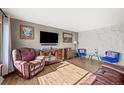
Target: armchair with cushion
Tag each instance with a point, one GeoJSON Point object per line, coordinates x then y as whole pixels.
{"type": "Point", "coordinates": [111, 56]}
{"type": "Point", "coordinates": [81, 52]}
{"type": "Point", "coordinates": [107, 74]}
{"type": "Point", "coordinates": [26, 63]}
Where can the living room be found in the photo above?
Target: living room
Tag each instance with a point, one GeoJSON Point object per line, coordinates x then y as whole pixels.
{"type": "Point", "coordinates": [49, 47]}
{"type": "Point", "coordinates": [61, 46]}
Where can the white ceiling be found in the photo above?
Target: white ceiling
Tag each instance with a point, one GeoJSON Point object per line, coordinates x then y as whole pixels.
{"type": "Point", "coordinates": [73, 19]}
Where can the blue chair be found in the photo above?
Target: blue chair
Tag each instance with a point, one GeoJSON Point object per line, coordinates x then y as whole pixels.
{"type": "Point", "coordinates": [111, 57]}
{"type": "Point", "coordinates": [81, 52]}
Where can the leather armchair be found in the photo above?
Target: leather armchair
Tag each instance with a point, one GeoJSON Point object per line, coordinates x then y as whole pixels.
{"type": "Point", "coordinates": [107, 74]}
{"type": "Point", "coordinates": [26, 63]}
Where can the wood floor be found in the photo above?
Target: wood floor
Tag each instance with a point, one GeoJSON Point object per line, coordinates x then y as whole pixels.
{"type": "Point", "coordinates": [83, 64]}
{"type": "Point", "coordinates": [65, 74]}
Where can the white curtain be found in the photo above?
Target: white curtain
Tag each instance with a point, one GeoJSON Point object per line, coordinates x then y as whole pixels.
{"type": "Point", "coordinates": [0, 39]}
{"type": "Point", "coordinates": [7, 61]}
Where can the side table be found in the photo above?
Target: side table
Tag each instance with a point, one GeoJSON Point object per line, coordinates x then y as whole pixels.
{"type": "Point", "coordinates": [93, 55]}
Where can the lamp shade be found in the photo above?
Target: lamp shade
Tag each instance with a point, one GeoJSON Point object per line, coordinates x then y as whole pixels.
{"type": "Point", "coordinates": [75, 42]}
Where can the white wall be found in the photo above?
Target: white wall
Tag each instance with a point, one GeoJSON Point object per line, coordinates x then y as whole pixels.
{"type": "Point", "coordinates": [18, 43]}
{"type": "Point", "coordinates": [107, 38]}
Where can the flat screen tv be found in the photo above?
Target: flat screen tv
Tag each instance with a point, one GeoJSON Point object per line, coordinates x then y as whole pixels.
{"type": "Point", "coordinates": [48, 37]}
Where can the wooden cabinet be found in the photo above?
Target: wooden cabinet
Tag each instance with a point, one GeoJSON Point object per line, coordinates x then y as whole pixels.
{"type": "Point", "coordinates": [68, 53]}
{"type": "Point", "coordinates": [59, 54]}
{"type": "Point", "coordinates": [56, 55]}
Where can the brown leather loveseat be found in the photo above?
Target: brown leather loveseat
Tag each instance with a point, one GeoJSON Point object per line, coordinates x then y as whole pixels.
{"type": "Point", "coordinates": [26, 63]}
{"type": "Point", "coordinates": [107, 74]}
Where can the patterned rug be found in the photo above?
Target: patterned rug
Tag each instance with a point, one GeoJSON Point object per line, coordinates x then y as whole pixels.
{"type": "Point", "coordinates": [63, 73]}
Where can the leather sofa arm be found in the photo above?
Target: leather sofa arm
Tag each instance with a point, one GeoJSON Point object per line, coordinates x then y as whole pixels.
{"type": "Point", "coordinates": [24, 68]}
{"type": "Point", "coordinates": [40, 57]}
{"type": "Point", "coordinates": [114, 67]}
{"type": "Point", "coordinates": [20, 62]}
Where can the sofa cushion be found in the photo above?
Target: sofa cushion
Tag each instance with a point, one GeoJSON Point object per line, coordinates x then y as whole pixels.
{"type": "Point", "coordinates": [111, 75]}
{"type": "Point", "coordinates": [107, 75]}
{"type": "Point", "coordinates": [29, 57]}
{"type": "Point", "coordinates": [117, 79]}
{"type": "Point", "coordinates": [109, 59]}
{"type": "Point", "coordinates": [27, 54]}
{"type": "Point", "coordinates": [111, 54]}
{"type": "Point", "coordinates": [82, 50]}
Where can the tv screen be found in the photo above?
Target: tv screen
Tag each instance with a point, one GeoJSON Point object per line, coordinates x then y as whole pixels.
{"type": "Point", "coordinates": [48, 37]}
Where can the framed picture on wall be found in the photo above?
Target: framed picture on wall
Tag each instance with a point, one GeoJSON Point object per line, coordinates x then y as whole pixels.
{"type": "Point", "coordinates": [67, 38]}
{"type": "Point", "coordinates": [26, 32]}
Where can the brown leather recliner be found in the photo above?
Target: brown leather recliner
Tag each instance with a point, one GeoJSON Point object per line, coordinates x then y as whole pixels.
{"type": "Point", "coordinates": [108, 74]}
{"type": "Point", "coordinates": [26, 63]}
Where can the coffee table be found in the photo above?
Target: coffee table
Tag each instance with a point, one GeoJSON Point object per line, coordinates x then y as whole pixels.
{"type": "Point", "coordinates": [93, 55]}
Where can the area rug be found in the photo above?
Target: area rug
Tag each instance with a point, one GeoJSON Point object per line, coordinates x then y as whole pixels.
{"type": "Point", "coordinates": [63, 73]}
